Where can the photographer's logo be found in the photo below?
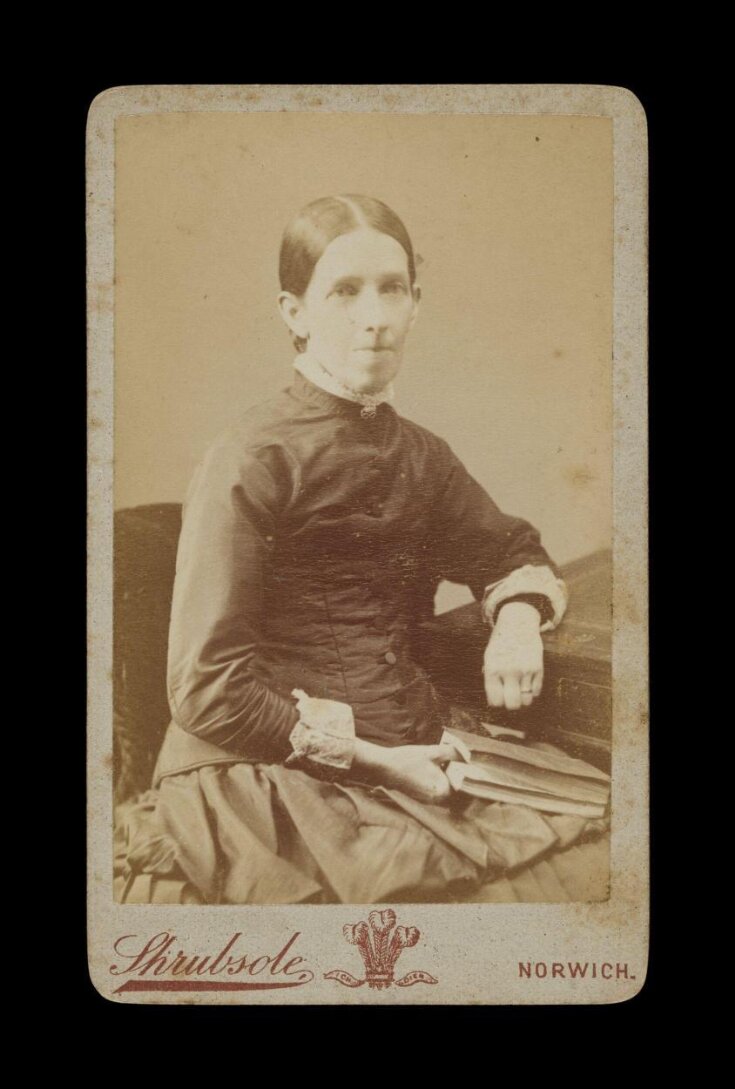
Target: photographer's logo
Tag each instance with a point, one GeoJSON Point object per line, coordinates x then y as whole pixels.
{"type": "Point", "coordinates": [380, 943]}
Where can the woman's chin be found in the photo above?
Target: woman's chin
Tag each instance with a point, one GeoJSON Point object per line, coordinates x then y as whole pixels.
{"type": "Point", "coordinates": [371, 377]}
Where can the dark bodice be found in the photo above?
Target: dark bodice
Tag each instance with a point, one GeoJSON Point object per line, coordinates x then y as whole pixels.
{"type": "Point", "coordinates": [313, 539]}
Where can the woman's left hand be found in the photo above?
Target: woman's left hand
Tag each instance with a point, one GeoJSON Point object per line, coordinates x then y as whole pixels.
{"type": "Point", "coordinates": [514, 659]}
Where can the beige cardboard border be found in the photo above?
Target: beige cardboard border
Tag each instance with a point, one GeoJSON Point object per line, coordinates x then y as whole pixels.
{"type": "Point", "coordinates": [472, 949]}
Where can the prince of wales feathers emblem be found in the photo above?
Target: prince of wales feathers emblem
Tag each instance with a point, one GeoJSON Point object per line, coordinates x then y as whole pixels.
{"type": "Point", "coordinates": [380, 943]}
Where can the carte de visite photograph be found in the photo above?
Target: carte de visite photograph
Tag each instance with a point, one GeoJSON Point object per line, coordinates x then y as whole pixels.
{"type": "Point", "coordinates": [355, 372]}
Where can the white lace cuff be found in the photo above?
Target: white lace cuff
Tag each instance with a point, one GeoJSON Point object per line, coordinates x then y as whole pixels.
{"type": "Point", "coordinates": [325, 732]}
{"type": "Point", "coordinates": [529, 579]}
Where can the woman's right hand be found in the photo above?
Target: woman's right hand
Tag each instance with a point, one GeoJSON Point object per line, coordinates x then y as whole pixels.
{"type": "Point", "coordinates": [417, 770]}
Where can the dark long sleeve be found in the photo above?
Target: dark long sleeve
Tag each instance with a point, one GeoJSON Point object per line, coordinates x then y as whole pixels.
{"type": "Point", "coordinates": [475, 543]}
{"type": "Point", "coordinates": [228, 526]}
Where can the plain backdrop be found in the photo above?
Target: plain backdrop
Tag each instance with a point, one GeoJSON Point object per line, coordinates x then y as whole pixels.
{"type": "Point", "coordinates": [510, 358]}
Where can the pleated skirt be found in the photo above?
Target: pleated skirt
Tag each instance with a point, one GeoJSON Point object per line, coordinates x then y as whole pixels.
{"type": "Point", "coordinates": [265, 834]}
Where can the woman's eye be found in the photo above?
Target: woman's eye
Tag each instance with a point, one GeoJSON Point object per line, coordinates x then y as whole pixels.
{"type": "Point", "coordinates": [344, 290]}
{"type": "Point", "coordinates": [394, 288]}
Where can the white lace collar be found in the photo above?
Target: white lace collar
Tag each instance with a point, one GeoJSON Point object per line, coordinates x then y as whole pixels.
{"type": "Point", "coordinates": [314, 372]}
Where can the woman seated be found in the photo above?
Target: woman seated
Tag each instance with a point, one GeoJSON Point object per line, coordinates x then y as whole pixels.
{"type": "Point", "coordinates": [314, 534]}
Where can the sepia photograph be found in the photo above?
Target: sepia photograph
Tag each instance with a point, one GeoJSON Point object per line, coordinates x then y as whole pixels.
{"type": "Point", "coordinates": [358, 515]}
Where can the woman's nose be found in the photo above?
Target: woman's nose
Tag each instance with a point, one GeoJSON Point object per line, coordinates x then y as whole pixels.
{"type": "Point", "coordinates": [372, 313]}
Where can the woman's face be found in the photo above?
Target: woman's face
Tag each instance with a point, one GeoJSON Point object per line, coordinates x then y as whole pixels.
{"type": "Point", "coordinates": [357, 309]}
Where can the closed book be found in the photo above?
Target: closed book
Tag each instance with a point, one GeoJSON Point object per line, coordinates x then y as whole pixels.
{"type": "Point", "coordinates": [517, 775]}
{"type": "Point", "coordinates": [550, 760]}
{"type": "Point", "coordinates": [464, 781]}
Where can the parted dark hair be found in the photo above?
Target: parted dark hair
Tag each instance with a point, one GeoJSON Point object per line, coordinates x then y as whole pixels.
{"type": "Point", "coordinates": [309, 233]}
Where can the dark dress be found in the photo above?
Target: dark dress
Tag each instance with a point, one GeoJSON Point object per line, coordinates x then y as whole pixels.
{"type": "Point", "coordinates": [313, 539]}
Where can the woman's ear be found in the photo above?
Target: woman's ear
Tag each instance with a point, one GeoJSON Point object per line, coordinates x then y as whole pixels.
{"type": "Point", "coordinates": [416, 293]}
{"type": "Point", "coordinates": [293, 313]}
